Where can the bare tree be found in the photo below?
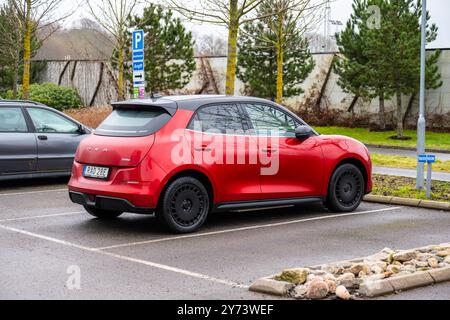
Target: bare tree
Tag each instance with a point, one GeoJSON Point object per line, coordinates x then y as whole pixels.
{"type": "Point", "coordinates": [112, 15]}
{"type": "Point", "coordinates": [230, 13]}
{"type": "Point", "coordinates": [38, 15]}
{"type": "Point", "coordinates": [210, 45]}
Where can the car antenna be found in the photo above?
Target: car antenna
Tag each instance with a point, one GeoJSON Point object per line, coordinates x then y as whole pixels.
{"type": "Point", "coordinates": [155, 95]}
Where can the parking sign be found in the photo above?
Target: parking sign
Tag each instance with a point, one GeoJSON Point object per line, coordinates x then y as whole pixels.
{"type": "Point", "coordinates": [138, 64]}
{"type": "Point", "coordinates": [138, 40]}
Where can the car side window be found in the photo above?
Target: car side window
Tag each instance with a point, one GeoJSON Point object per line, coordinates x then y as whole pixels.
{"type": "Point", "coordinates": [46, 121]}
{"type": "Point", "coordinates": [266, 119]}
{"type": "Point", "coordinates": [12, 120]}
{"type": "Point", "coordinates": [223, 118]}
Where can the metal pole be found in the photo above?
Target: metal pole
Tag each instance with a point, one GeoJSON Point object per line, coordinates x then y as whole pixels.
{"type": "Point", "coordinates": [429, 180]}
{"type": "Point", "coordinates": [421, 124]}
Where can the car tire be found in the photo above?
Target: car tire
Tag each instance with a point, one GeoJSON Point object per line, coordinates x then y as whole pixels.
{"type": "Point", "coordinates": [184, 205]}
{"type": "Point", "coordinates": [101, 213]}
{"type": "Point", "coordinates": [346, 189]}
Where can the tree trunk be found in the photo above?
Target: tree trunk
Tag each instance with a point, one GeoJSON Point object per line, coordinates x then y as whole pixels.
{"type": "Point", "coordinates": [280, 58]}
{"type": "Point", "coordinates": [232, 47]}
{"type": "Point", "coordinates": [16, 74]}
{"type": "Point", "coordinates": [120, 79]}
{"type": "Point", "coordinates": [27, 52]}
{"type": "Point", "coordinates": [399, 115]}
{"type": "Point", "coordinates": [382, 114]}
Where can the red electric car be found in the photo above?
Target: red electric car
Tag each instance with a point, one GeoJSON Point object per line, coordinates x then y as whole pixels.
{"type": "Point", "coordinates": [183, 157]}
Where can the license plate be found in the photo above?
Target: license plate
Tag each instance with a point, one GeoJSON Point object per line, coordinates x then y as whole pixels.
{"type": "Point", "coordinates": [95, 172]}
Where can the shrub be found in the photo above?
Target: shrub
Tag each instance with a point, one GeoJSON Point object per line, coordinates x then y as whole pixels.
{"type": "Point", "coordinates": [91, 116]}
{"type": "Point", "coordinates": [52, 95]}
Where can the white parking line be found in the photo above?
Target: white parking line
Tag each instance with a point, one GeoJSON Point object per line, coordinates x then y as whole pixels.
{"type": "Point", "coordinates": [31, 192]}
{"type": "Point", "coordinates": [129, 259]}
{"type": "Point", "coordinates": [41, 216]}
{"type": "Point", "coordinates": [196, 235]}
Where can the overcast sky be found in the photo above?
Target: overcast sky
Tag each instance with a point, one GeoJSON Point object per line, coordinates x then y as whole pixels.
{"type": "Point", "coordinates": [341, 10]}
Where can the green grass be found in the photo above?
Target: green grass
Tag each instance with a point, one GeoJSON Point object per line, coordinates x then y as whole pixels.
{"type": "Point", "coordinates": [406, 188]}
{"type": "Point", "coordinates": [435, 140]}
{"type": "Point", "coordinates": [393, 161]}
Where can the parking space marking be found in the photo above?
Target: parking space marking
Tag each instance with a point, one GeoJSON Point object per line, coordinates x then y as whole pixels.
{"type": "Point", "coordinates": [31, 192]}
{"type": "Point", "coordinates": [41, 216]}
{"type": "Point", "coordinates": [202, 234]}
{"type": "Point", "coordinates": [129, 259]}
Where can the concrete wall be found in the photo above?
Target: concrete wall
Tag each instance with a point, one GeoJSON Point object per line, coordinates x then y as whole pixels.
{"type": "Point", "coordinates": [87, 75]}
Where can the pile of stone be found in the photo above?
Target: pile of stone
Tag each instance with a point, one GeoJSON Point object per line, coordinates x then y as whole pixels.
{"type": "Point", "coordinates": [343, 280]}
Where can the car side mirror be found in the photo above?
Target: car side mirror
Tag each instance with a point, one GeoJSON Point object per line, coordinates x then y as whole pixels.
{"type": "Point", "coordinates": [303, 132]}
{"type": "Point", "coordinates": [82, 129]}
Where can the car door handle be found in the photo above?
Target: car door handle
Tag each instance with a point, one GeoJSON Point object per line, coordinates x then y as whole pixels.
{"type": "Point", "coordinates": [42, 137]}
{"type": "Point", "coordinates": [203, 148]}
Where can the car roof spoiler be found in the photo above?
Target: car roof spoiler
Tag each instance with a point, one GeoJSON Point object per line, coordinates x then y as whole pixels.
{"type": "Point", "coordinates": [165, 104]}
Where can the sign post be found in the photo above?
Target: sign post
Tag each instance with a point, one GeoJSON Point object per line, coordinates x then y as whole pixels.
{"type": "Point", "coordinates": [138, 64]}
{"type": "Point", "coordinates": [429, 159]}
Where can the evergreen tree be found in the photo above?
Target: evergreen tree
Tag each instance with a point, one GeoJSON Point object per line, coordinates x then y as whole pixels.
{"type": "Point", "coordinates": [383, 59]}
{"type": "Point", "coordinates": [273, 55]}
{"type": "Point", "coordinates": [168, 48]}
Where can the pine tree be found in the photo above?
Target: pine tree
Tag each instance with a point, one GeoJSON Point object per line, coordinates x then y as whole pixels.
{"type": "Point", "coordinates": [273, 55]}
{"type": "Point", "coordinates": [168, 48]}
{"type": "Point", "coordinates": [383, 60]}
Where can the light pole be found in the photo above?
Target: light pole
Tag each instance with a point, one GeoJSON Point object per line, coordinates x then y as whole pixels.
{"type": "Point", "coordinates": [421, 124]}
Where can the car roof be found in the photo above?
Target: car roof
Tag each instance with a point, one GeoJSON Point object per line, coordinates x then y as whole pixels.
{"type": "Point", "coordinates": [6, 102]}
{"type": "Point", "coordinates": [186, 102]}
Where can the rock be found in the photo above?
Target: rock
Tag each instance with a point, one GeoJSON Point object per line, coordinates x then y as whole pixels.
{"type": "Point", "coordinates": [358, 267]}
{"type": "Point", "coordinates": [433, 263]}
{"type": "Point", "coordinates": [408, 268]}
{"type": "Point", "coordinates": [329, 276]}
{"type": "Point", "coordinates": [447, 260]}
{"type": "Point", "coordinates": [404, 255]}
{"type": "Point", "coordinates": [347, 280]}
{"type": "Point", "coordinates": [420, 264]}
{"type": "Point", "coordinates": [299, 292]}
{"type": "Point", "coordinates": [376, 269]}
{"type": "Point", "coordinates": [331, 285]}
{"type": "Point", "coordinates": [424, 256]}
{"type": "Point", "coordinates": [342, 293]}
{"type": "Point", "coordinates": [295, 276]}
{"type": "Point", "coordinates": [443, 254]}
{"type": "Point", "coordinates": [393, 268]}
{"type": "Point", "coordinates": [311, 277]}
{"type": "Point", "coordinates": [383, 255]}
{"type": "Point", "coordinates": [317, 289]}
{"type": "Point", "coordinates": [396, 263]}
{"type": "Point", "coordinates": [329, 269]}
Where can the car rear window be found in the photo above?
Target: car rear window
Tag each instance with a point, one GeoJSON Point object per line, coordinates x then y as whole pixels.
{"type": "Point", "coordinates": [133, 122]}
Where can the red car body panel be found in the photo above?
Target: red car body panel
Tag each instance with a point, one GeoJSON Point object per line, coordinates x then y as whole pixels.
{"type": "Point", "coordinates": [140, 167]}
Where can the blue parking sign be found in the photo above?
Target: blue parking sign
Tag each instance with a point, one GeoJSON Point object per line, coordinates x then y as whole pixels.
{"type": "Point", "coordinates": [138, 66]}
{"type": "Point", "coordinates": [138, 40]}
{"type": "Point", "coordinates": [426, 158]}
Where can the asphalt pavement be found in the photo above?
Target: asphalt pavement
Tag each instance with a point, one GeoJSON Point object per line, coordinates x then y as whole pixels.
{"type": "Point", "coordinates": [44, 238]}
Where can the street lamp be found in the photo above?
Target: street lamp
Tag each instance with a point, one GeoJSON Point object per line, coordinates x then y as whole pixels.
{"type": "Point", "coordinates": [421, 124]}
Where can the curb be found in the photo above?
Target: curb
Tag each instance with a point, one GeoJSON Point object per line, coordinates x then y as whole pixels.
{"type": "Point", "coordinates": [368, 288]}
{"type": "Point", "coordinates": [406, 282]}
{"type": "Point", "coordinates": [404, 148]}
{"type": "Point", "coordinates": [427, 204]}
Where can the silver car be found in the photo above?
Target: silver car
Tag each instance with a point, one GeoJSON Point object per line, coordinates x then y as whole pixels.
{"type": "Point", "coordinates": [36, 140]}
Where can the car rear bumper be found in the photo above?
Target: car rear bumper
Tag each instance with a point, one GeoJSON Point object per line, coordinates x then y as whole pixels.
{"type": "Point", "coordinates": [107, 203]}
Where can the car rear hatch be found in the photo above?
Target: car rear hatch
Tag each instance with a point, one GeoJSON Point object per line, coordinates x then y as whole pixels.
{"type": "Point", "coordinates": [125, 137]}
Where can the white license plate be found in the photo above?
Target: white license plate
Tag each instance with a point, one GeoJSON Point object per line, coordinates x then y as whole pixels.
{"type": "Point", "coordinates": [95, 172]}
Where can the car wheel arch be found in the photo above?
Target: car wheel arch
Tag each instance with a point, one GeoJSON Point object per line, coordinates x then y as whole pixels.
{"type": "Point", "coordinates": [349, 160]}
{"type": "Point", "coordinates": [201, 176]}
